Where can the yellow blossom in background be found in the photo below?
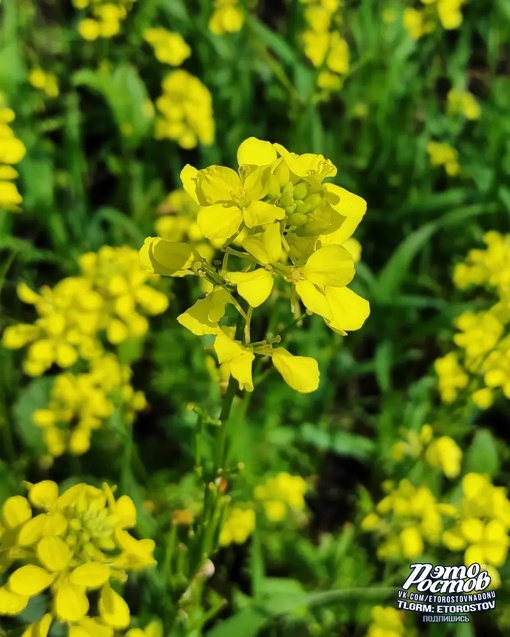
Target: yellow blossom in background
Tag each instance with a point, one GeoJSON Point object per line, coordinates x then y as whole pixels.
{"type": "Point", "coordinates": [80, 404]}
{"type": "Point", "coordinates": [185, 108]}
{"type": "Point", "coordinates": [386, 622]}
{"type": "Point", "coordinates": [442, 453]}
{"type": "Point", "coordinates": [44, 81]}
{"type": "Point", "coordinates": [482, 530]}
{"type": "Point", "coordinates": [169, 47]}
{"type": "Point", "coordinates": [463, 103]}
{"type": "Point", "coordinates": [113, 296]}
{"type": "Point", "coordinates": [421, 21]}
{"type": "Point", "coordinates": [227, 17]}
{"type": "Point", "coordinates": [281, 495]}
{"type": "Point", "coordinates": [237, 527]}
{"type": "Point", "coordinates": [68, 319]}
{"type": "Point", "coordinates": [69, 544]}
{"type": "Point", "coordinates": [323, 43]}
{"type": "Point", "coordinates": [105, 17]}
{"type": "Point", "coordinates": [125, 289]}
{"type": "Point", "coordinates": [12, 151]}
{"type": "Point", "coordinates": [444, 155]}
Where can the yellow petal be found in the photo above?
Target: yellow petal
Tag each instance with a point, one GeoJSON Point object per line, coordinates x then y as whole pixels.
{"type": "Point", "coordinates": [189, 176]}
{"type": "Point", "coordinates": [53, 553]}
{"type": "Point", "coordinates": [241, 370]}
{"type": "Point", "coordinates": [313, 300]}
{"type": "Point", "coordinates": [125, 507]}
{"type": "Point", "coordinates": [260, 213]}
{"type": "Point", "coordinates": [44, 494]}
{"type": "Point", "coordinates": [219, 222]}
{"type": "Point", "coordinates": [299, 372]}
{"type": "Point", "coordinates": [11, 603]}
{"type": "Point", "coordinates": [226, 348]}
{"type": "Point", "coordinates": [40, 628]}
{"type": "Point", "coordinates": [202, 317]}
{"type": "Point", "coordinates": [265, 246]}
{"type": "Point", "coordinates": [256, 152]}
{"type": "Point", "coordinates": [65, 355]}
{"type": "Point", "coordinates": [113, 609]}
{"type": "Point", "coordinates": [29, 580]}
{"type": "Point", "coordinates": [27, 295]}
{"type": "Point", "coordinates": [91, 627]}
{"type": "Point", "coordinates": [15, 511]}
{"type": "Point", "coordinates": [167, 257]}
{"type": "Point", "coordinates": [90, 575]}
{"type": "Point", "coordinates": [255, 286]}
{"type": "Point", "coordinates": [71, 602]}
{"type": "Point", "coordinates": [472, 529]}
{"type": "Point", "coordinates": [349, 309]}
{"type": "Point", "coordinates": [332, 265]}
{"type": "Point", "coordinates": [218, 184]}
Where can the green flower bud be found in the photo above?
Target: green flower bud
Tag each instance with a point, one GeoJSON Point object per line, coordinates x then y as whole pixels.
{"type": "Point", "coordinates": [286, 200]}
{"type": "Point", "coordinates": [300, 191]}
{"type": "Point", "coordinates": [314, 200]}
{"type": "Point", "coordinates": [297, 219]}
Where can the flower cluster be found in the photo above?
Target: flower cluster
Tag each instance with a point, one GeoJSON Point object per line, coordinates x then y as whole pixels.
{"type": "Point", "coordinates": [281, 495]}
{"type": "Point", "coordinates": [481, 365]}
{"type": "Point", "coordinates": [442, 453]}
{"type": "Point", "coordinates": [12, 151]}
{"type": "Point", "coordinates": [65, 546]}
{"type": "Point", "coordinates": [420, 22]}
{"type": "Point", "coordinates": [291, 227]}
{"type": "Point", "coordinates": [482, 527]}
{"type": "Point", "coordinates": [386, 622]}
{"type": "Point", "coordinates": [106, 17]}
{"type": "Point", "coordinates": [463, 103]}
{"type": "Point", "coordinates": [406, 520]}
{"type": "Point", "coordinates": [111, 297]}
{"type": "Point", "coordinates": [238, 525]}
{"type": "Point", "coordinates": [323, 43]}
{"type": "Point", "coordinates": [169, 47]}
{"type": "Point", "coordinates": [80, 403]}
{"type": "Point", "coordinates": [442, 154]}
{"type": "Point", "coordinates": [44, 81]}
{"type": "Point", "coordinates": [185, 109]}
{"type": "Point", "coordinates": [411, 519]}
{"type": "Point", "coordinates": [227, 17]}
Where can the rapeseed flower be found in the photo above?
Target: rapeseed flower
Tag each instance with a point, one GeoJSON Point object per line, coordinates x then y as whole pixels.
{"type": "Point", "coordinates": [441, 154]}
{"type": "Point", "coordinates": [463, 103]}
{"type": "Point", "coordinates": [12, 151]}
{"type": "Point", "coordinates": [69, 544]}
{"type": "Point", "coordinates": [105, 17]}
{"type": "Point", "coordinates": [169, 47]}
{"type": "Point", "coordinates": [44, 81]}
{"type": "Point", "coordinates": [227, 17]}
{"type": "Point", "coordinates": [281, 495]}
{"type": "Point", "coordinates": [81, 403]}
{"type": "Point", "coordinates": [386, 622]}
{"type": "Point", "coordinates": [238, 525]}
{"type": "Point", "coordinates": [186, 111]}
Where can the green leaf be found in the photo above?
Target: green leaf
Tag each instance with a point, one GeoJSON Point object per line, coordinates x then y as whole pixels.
{"type": "Point", "coordinates": [482, 456]}
{"type": "Point", "coordinates": [35, 396]}
{"type": "Point", "coordinates": [127, 97]}
{"type": "Point", "coordinates": [249, 621]}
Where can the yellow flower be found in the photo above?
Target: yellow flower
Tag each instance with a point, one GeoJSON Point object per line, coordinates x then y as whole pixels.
{"type": "Point", "coordinates": [386, 622]}
{"type": "Point", "coordinates": [78, 543]}
{"type": "Point", "coordinates": [154, 629]}
{"type": "Point", "coordinates": [237, 527]}
{"type": "Point", "coordinates": [227, 17]}
{"type": "Point", "coordinates": [12, 151]}
{"type": "Point", "coordinates": [280, 495]}
{"type": "Point", "coordinates": [186, 111]}
{"type": "Point", "coordinates": [169, 47]}
{"type": "Point", "coordinates": [445, 454]}
{"type": "Point", "coordinates": [44, 81]}
{"type": "Point", "coordinates": [444, 155]}
{"type": "Point", "coordinates": [463, 103]}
